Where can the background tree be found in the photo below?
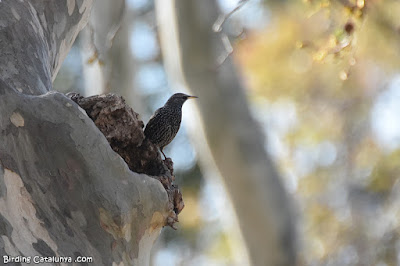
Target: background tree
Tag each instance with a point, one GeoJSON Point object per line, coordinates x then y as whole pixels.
{"type": "Point", "coordinates": [191, 50]}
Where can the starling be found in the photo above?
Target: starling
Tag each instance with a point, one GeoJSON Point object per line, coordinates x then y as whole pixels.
{"type": "Point", "coordinates": [164, 124]}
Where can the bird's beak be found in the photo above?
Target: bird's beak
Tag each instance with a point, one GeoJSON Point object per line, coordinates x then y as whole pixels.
{"type": "Point", "coordinates": [192, 97]}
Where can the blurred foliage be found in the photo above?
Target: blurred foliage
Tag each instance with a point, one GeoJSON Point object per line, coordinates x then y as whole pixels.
{"type": "Point", "coordinates": [385, 173]}
{"type": "Point", "coordinates": [332, 60]}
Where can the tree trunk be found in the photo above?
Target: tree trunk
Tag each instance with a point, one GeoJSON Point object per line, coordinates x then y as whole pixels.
{"type": "Point", "coordinates": [63, 190]}
{"type": "Point", "coordinates": [235, 141]}
{"type": "Point", "coordinates": [97, 41]}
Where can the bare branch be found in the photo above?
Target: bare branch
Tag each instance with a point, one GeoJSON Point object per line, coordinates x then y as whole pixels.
{"type": "Point", "coordinates": [228, 48]}
{"type": "Point", "coordinates": [217, 26]}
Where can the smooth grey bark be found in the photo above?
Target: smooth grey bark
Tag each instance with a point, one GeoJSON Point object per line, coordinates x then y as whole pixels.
{"type": "Point", "coordinates": [35, 38]}
{"type": "Point", "coordinates": [190, 51]}
{"type": "Point", "coordinates": [63, 191]}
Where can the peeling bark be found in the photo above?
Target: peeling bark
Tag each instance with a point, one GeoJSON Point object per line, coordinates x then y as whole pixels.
{"type": "Point", "coordinates": [63, 190]}
{"type": "Point", "coordinates": [35, 37]}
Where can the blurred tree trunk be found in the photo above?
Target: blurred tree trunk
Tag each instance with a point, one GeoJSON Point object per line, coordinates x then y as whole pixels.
{"type": "Point", "coordinates": [123, 65]}
{"type": "Point", "coordinates": [97, 40]}
{"type": "Point", "coordinates": [63, 191]}
{"type": "Point", "coordinates": [190, 51]}
{"type": "Point", "coordinates": [108, 62]}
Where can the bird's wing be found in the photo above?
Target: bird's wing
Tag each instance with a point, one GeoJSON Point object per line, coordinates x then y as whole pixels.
{"type": "Point", "coordinates": [153, 121]}
{"type": "Point", "coordinates": [155, 114]}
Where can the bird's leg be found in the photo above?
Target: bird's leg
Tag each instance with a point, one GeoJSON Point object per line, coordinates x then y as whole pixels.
{"type": "Point", "coordinates": [165, 157]}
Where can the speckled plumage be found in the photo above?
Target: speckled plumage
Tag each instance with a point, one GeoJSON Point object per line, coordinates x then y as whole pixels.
{"type": "Point", "coordinates": [166, 121]}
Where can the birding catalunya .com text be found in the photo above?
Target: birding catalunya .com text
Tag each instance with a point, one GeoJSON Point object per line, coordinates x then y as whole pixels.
{"type": "Point", "coordinates": [44, 259]}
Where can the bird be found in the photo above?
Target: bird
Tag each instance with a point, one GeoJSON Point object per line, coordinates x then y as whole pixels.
{"type": "Point", "coordinates": [166, 121]}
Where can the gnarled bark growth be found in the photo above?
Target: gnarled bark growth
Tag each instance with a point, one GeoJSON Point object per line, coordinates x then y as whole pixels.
{"type": "Point", "coordinates": [123, 129]}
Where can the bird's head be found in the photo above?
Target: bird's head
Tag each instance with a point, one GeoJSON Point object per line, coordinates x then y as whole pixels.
{"type": "Point", "coordinates": [179, 99]}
